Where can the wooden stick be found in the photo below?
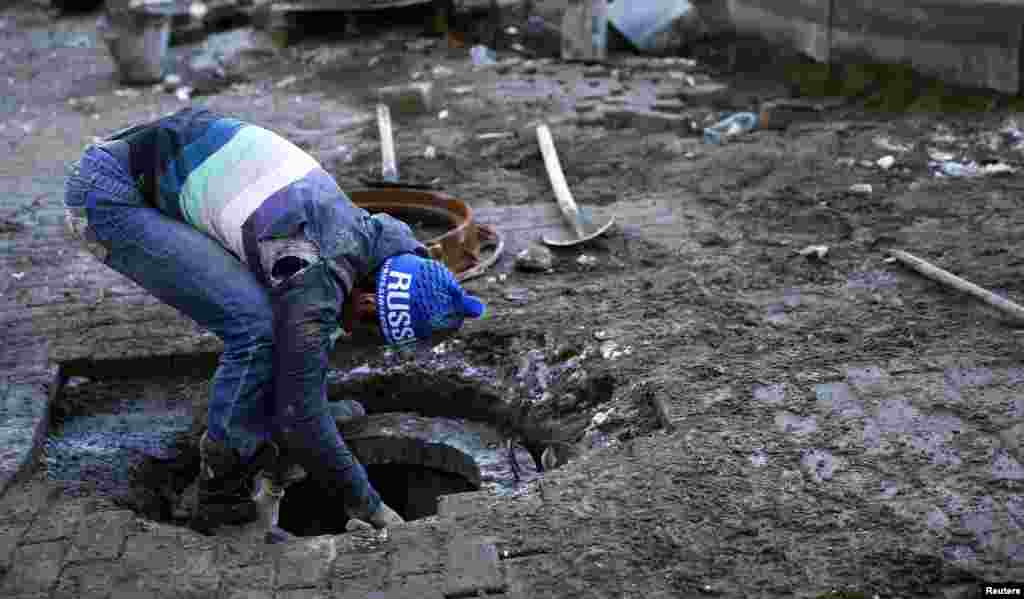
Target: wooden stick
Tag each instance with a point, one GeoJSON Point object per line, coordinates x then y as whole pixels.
{"type": "Point", "coordinates": [389, 166]}
{"type": "Point", "coordinates": [947, 278]}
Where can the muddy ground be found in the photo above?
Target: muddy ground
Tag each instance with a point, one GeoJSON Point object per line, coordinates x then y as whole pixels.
{"type": "Point", "coordinates": [838, 421]}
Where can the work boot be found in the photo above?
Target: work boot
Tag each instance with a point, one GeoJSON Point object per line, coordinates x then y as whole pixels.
{"type": "Point", "coordinates": [268, 498]}
{"type": "Point", "coordinates": [273, 482]}
{"type": "Point", "coordinates": [225, 489]}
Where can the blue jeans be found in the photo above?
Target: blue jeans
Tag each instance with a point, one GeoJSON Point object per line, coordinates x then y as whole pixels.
{"type": "Point", "coordinates": [193, 273]}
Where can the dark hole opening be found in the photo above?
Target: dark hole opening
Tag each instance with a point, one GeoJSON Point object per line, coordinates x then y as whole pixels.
{"type": "Point", "coordinates": [412, 491]}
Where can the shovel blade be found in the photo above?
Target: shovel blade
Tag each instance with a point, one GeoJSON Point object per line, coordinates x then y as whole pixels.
{"type": "Point", "coordinates": [568, 237]}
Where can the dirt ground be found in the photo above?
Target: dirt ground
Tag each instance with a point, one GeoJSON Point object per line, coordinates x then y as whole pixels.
{"type": "Point", "coordinates": [711, 308]}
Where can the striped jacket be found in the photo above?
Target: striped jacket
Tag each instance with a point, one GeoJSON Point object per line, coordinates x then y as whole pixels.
{"type": "Point", "coordinates": [242, 184]}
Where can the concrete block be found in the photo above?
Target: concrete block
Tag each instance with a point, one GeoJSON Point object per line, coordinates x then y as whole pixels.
{"type": "Point", "coordinates": [357, 573]}
{"type": "Point", "coordinates": [22, 503]}
{"type": "Point", "coordinates": [85, 581]}
{"type": "Point", "coordinates": [101, 536]}
{"type": "Point", "coordinates": [149, 552]}
{"type": "Point", "coordinates": [151, 585]}
{"type": "Point", "coordinates": [10, 536]}
{"type": "Point", "coordinates": [59, 523]}
{"type": "Point", "coordinates": [260, 576]}
{"type": "Point", "coordinates": [462, 504]}
{"type": "Point", "coordinates": [35, 568]}
{"type": "Point", "coordinates": [473, 566]}
{"type": "Point", "coordinates": [420, 586]}
{"type": "Point", "coordinates": [306, 563]}
{"type": "Point", "coordinates": [417, 550]}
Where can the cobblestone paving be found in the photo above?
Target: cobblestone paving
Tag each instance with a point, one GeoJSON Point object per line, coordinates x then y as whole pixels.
{"type": "Point", "coordinates": [60, 544]}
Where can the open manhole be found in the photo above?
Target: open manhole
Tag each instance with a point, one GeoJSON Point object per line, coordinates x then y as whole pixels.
{"type": "Point", "coordinates": [136, 441]}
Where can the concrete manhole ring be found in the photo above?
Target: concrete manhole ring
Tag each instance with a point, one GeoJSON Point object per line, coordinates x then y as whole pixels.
{"type": "Point", "coordinates": [398, 438]}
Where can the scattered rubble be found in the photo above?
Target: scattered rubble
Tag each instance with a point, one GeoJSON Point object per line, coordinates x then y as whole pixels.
{"type": "Point", "coordinates": [286, 82]}
{"type": "Point", "coordinates": [518, 295]}
{"type": "Point", "coordinates": [814, 251]}
{"type": "Point", "coordinates": [953, 169]}
{"type": "Point", "coordinates": [535, 258]}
